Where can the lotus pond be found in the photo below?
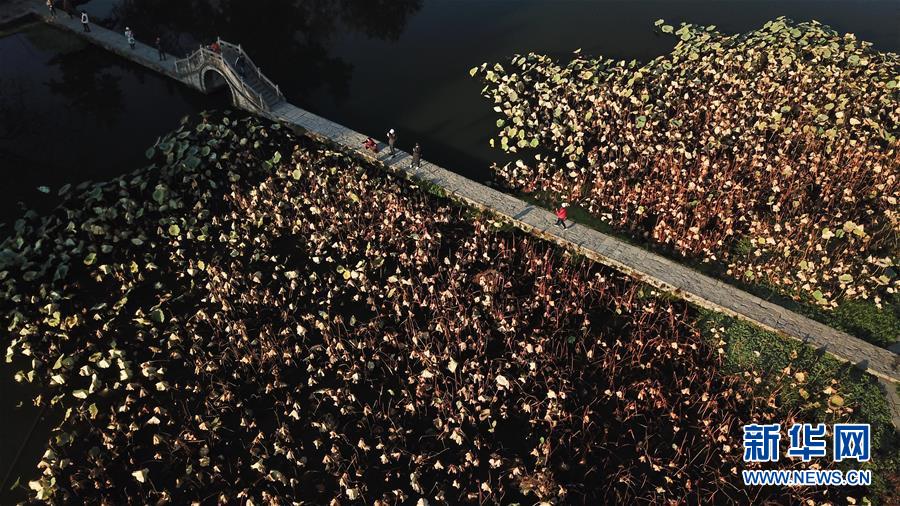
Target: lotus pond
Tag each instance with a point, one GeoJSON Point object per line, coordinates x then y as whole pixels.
{"type": "Point", "coordinates": [773, 153]}
{"type": "Point", "coordinates": [224, 325]}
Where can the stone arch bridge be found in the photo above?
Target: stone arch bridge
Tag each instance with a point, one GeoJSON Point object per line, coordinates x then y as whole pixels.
{"type": "Point", "coordinates": [225, 64]}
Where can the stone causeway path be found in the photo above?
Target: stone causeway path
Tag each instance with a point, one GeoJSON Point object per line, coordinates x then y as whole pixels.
{"type": "Point", "coordinates": [640, 263]}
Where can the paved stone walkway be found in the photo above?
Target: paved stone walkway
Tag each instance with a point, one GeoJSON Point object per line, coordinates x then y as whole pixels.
{"type": "Point", "coordinates": [637, 262]}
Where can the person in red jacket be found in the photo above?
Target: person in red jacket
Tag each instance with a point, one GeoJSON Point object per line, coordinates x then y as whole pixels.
{"type": "Point", "coordinates": [561, 215]}
{"type": "Point", "coordinates": [371, 145]}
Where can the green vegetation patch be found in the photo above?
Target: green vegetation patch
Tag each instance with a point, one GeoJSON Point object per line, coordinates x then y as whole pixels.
{"type": "Point", "coordinates": [806, 385]}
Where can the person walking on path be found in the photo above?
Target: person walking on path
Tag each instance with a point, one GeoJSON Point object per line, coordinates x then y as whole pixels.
{"type": "Point", "coordinates": [67, 6]}
{"type": "Point", "coordinates": [130, 36]}
{"type": "Point", "coordinates": [52, 8]}
{"type": "Point", "coordinates": [416, 156]}
{"type": "Point", "coordinates": [392, 139]}
{"type": "Point", "coordinates": [162, 54]}
{"type": "Point", "coordinates": [561, 215]}
{"type": "Point", "coordinates": [85, 21]}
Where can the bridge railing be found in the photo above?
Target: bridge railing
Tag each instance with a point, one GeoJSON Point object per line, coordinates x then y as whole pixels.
{"type": "Point", "coordinates": [240, 50]}
{"type": "Point", "coordinates": [190, 63]}
{"type": "Point", "coordinates": [202, 55]}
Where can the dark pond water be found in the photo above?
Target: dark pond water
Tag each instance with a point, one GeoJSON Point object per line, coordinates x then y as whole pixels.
{"type": "Point", "coordinates": [377, 64]}
{"type": "Point", "coordinates": [70, 112]}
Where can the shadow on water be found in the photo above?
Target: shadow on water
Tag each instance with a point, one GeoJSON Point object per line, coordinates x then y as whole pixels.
{"type": "Point", "coordinates": [72, 112]}
{"type": "Point", "coordinates": [291, 40]}
{"type": "Point", "coordinates": [377, 64]}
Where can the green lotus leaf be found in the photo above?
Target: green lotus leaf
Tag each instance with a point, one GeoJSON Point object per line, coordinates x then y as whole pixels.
{"type": "Point", "coordinates": [159, 194]}
{"type": "Point", "coordinates": [157, 315]}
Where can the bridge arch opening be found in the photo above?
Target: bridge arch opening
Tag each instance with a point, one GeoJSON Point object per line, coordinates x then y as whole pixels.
{"type": "Point", "coordinates": [213, 80]}
{"type": "Point", "coordinates": [214, 84]}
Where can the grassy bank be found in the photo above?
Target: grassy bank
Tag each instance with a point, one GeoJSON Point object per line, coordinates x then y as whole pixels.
{"type": "Point", "coordinates": [809, 386]}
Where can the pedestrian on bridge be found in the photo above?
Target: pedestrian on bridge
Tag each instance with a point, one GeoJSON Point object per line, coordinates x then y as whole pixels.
{"type": "Point", "coordinates": [162, 54]}
{"type": "Point", "coordinates": [130, 36]}
{"type": "Point", "coordinates": [52, 8]}
{"type": "Point", "coordinates": [416, 156]}
{"type": "Point", "coordinates": [85, 21]}
{"type": "Point", "coordinates": [67, 6]}
{"type": "Point", "coordinates": [392, 139]}
{"type": "Point", "coordinates": [561, 215]}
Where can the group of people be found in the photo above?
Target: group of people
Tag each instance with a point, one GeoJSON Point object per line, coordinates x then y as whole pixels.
{"type": "Point", "coordinates": [129, 36]}
{"type": "Point", "coordinates": [371, 144]}
{"type": "Point", "coordinates": [67, 7]}
{"type": "Point", "coordinates": [86, 25]}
